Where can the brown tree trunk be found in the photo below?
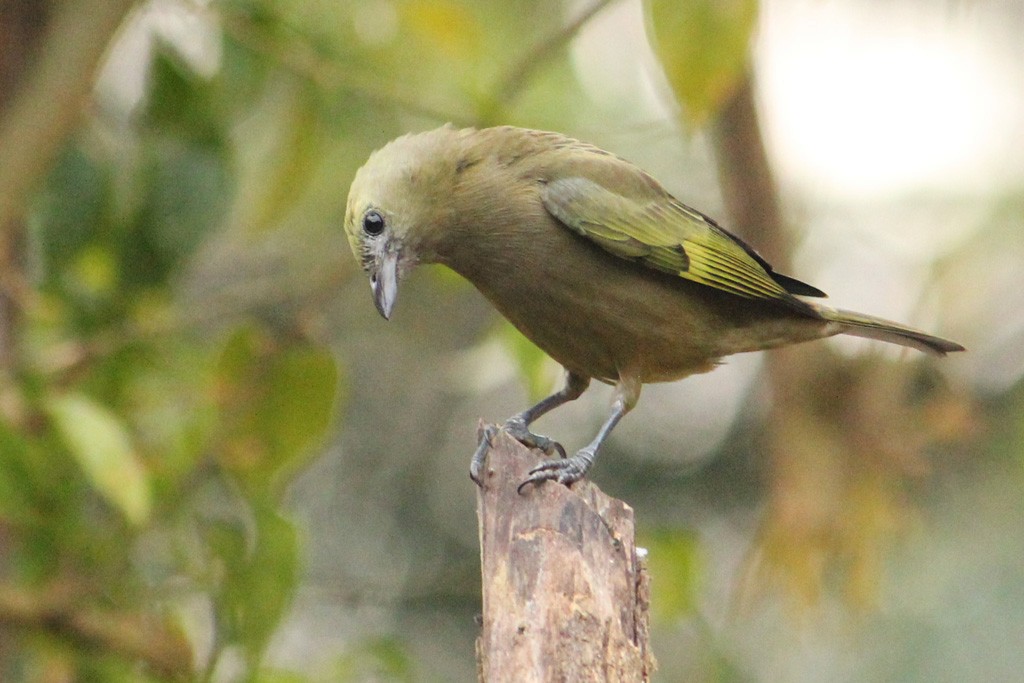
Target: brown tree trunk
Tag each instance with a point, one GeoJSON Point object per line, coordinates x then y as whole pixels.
{"type": "Point", "coordinates": [841, 434]}
{"type": "Point", "coordinates": [565, 594]}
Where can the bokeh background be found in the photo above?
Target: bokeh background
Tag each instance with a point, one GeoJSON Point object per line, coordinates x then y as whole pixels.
{"type": "Point", "coordinates": [217, 463]}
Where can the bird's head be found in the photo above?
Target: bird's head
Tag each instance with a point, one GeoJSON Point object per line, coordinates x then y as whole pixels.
{"type": "Point", "coordinates": [395, 206]}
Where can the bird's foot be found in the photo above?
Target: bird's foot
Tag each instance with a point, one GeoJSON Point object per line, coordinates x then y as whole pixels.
{"type": "Point", "coordinates": [565, 471]}
{"type": "Point", "coordinates": [516, 428]}
{"type": "Point", "coordinates": [476, 465]}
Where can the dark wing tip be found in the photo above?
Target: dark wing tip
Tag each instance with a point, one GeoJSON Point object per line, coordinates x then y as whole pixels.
{"type": "Point", "coordinates": [790, 284]}
{"type": "Point", "coordinates": [794, 286]}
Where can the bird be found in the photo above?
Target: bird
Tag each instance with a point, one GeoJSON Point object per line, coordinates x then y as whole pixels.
{"type": "Point", "coordinates": [591, 258]}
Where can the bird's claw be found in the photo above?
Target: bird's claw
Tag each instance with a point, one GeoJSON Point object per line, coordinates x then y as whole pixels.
{"type": "Point", "coordinates": [566, 471]}
{"type": "Point", "coordinates": [476, 465]}
{"type": "Point", "coordinates": [516, 428]}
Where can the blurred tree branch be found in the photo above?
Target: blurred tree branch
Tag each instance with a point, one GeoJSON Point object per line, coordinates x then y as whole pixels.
{"type": "Point", "coordinates": [60, 609]}
{"type": "Point", "coordinates": [518, 77]}
{"type": "Point", "coordinates": [46, 74]}
{"type": "Point", "coordinates": [21, 26]}
{"type": "Point", "coordinates": [842, 433]}
{"type": "Point", "coordinates": [807, 454]}
{"type": "Point", "coordinates": [49, 101]}
{"type": "Point", "coordinates": [300, 57]}
{"type": "Point", "coordinates": [328, 72]}
{"type": "Point", "coordinates": [746, 179]}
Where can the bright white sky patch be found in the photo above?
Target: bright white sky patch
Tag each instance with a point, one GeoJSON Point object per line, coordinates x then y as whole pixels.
{"type": "Point", "coordinates": [870, 99]}
{"type": "Point", "coordinates": [615, 64]}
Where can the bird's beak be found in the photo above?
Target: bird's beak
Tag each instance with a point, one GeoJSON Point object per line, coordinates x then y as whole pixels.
{"type": "Point", "coordinates": [384, 282]}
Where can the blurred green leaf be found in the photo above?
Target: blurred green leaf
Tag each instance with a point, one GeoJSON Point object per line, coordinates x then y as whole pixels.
{"type": "Point", "coordinates": [447, 28]}
{"type": "Point", "coordinates": [173, 413]}
{"type": "Point", "coordinates": [94, 272]}
{"type": "Point", "coordinates": [258, 583]}
{"type": "Point", "coordinates": [180, 101]}
{"type": "Point", "coordinates": [16, 481]}
{"type": "Point", "coordinates": [704, 47]}
{"type": "Point", "coordinates": [243, 71]}
{"type": "Point", "coordinates": [72, 220]}
{"type": "Point", "coordinates": [184, 196]}
{"type": "Point", "coordinates": [378, 659]}
{"type": "Point", "coordinates": [285, 173]}
{"type": "Point", "coordinates": [100, 444]}
{"type": "Point", "coordinates": [302, 383]}
{"type": "Point", "coordinates": [276, 402]}
{"type": "Point", "coordinates": [41, 507]}
{"type": "Point", "coordinates": [75, 199]}
{"type": "Point", "coordinates": [271, 577]}
{"type": "Point", "coordinates": [674, 562]}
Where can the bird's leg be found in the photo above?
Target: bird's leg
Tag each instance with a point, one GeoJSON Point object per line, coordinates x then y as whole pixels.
{"type": "Point", "coordinates": [518, 425]}
{"type": "Point", "coordinates": [569, 470]}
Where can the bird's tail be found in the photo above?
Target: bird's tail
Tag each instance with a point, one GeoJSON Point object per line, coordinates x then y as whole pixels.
{"type": "Point", "coordinates": [863, 325]}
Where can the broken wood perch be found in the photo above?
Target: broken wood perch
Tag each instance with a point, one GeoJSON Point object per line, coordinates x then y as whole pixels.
{"type": "Point", "coordinates": [565, 596]}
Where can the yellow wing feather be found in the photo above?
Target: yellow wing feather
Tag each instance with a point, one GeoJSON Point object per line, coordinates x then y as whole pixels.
{"type": "Point", "coordinates": [663, 234]}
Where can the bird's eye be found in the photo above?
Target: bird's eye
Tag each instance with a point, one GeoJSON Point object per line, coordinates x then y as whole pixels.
{"type": "Point", "coordinates": [373, 223]}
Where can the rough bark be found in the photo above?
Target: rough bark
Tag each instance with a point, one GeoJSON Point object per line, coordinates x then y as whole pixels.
{"type": "Point", "coordinates": [565, 595]}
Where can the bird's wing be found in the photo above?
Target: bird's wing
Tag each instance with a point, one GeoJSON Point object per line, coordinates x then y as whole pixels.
{"type": "Point", "coordinates": [664, 234]}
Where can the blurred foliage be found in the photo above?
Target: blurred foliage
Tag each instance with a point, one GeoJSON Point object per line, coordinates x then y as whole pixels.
{"type": "Point", "coordinates": [100, 443]}
{"type": "Point", "coordinates": [215, 466]}
{"type": "Point", "coordinates": [703, 47]}
{"type": "Point", "coordinates": [674, 557]}
{"type": "Point", "coordinates": [839, 495]}
{"type": "Point", "coordinates": [379, 659]}
{"type": "Point", "coordinates": [122, 411]}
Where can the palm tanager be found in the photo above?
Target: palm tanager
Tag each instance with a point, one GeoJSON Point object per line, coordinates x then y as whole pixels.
{"type": "Point", "coordinates": [590, 258]}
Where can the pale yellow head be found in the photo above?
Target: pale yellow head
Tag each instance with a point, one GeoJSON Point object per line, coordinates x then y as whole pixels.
{"type": "Point", "coordinates": [396, 198]}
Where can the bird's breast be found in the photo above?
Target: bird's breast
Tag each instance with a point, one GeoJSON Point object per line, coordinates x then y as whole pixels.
{"type": "Point", "coordinates": [603, 316]}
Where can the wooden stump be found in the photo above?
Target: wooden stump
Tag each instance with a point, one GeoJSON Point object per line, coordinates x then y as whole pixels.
{"type": "Point", "coordinates": [565, 597]}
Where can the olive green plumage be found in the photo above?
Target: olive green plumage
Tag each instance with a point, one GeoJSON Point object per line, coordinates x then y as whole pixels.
{"type": "Point", "coordinates": [590, 257]}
